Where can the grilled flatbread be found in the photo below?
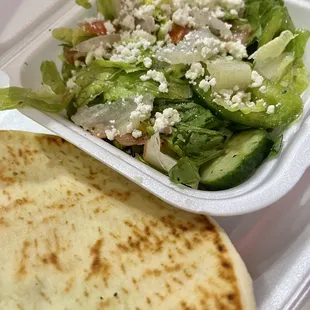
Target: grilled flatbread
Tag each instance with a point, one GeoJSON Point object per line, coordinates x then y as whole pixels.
{"type": "Point", "coordinates": [76, 235]}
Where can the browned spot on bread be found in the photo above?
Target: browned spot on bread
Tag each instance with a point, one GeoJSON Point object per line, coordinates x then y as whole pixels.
{"type": "Point", "coordinates": [3, 222]}
{"type": "Point", "coordinates": [152, 272]}
{"type": "Point", "coordinates": [148, 300]}
{"type": "Point", "coordinates": [24, 258]}
{"type": "Point", "coordinates": [20, 307]}
{"type": "Point", "coordinates": [125, 290]}
{"type": "Point", "coordinates": [50, 140]}
{"type": "Point", "coordinates": [69, 285]}
{"type": "Point", "coordinates": [86, 294]}
{"type": "Point", "coordinates": [122, 196]}
{"type": "Point", "coordinates": [123, 268]}
{"type": "Point", "coordinates": [99, 266]}
{"type": "Point", "coordinates": [53, 260]}
{"type": "Point", "coordinates": [45, 297]}
{"type": "Point", "coordinates": [185, 306]}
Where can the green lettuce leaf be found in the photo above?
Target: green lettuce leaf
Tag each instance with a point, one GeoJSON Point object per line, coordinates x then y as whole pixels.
{"type": "Point", "coordinates": [185, 172]}
{"type": "Point", "coordinates": [52, 78]}
{"type": "Point", "coordinates": [66, 70]}
{"type": "Point", "coordinates": [268, 18]}
{"type": "Point", "coordinates": [108, 8]}
{"type": "Point", "coordinates": [71, 36]}
{"type": "Point", "coordinates": [84, 3]}
{"type": "Point", "coordinates": [299, 43]}
{"type": "Point", "coordinates": [129, 85]}
{"type": "Point", "coordinates": [16, 98]}
{"type": "Point", "coordinates": [297, 78]}
{"type": "Point", "coordinates": [128, 68]}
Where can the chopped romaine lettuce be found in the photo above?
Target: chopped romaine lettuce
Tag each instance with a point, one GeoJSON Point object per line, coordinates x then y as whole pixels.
{"type": "Point", "coordinates": [84, 3]}
{"type": "Point", "coordinates": [71, 36]}
{"type": "Point", "coordinates": [108, 8]}
{"type": "Point", "coordinates": [16, 98]}
{"type": "Point", "coordinates": [185, 172]}
{"type": "Point", "coordinates": [52, 78]}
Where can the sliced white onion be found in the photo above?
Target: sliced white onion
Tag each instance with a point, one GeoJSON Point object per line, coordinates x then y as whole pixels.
{"type": "Point", "coordinates": [230, 73]}
{"type": "Point", "coordinates": [155, 157]}
{"type": "Point", "coordinates": [273, 48]}
{"type": "Point", "coordinates": [207, 18]}
{"type": "Point", "coordinates": [99, 118]}
{"type": "Point", "coordinates": [275, 68]}
{"type": "Point", "coordinates": [185, 52]}
{"type": "Point", "coordinates": [93, 43]}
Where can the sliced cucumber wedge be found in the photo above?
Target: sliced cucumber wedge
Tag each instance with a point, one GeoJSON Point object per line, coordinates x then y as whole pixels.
{"type": "Point", "coordinates": [245, 152]}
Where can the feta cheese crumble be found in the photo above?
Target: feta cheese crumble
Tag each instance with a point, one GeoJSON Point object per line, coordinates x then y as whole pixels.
{"type": "Point", "coordinates": [164, 121]}
{"type": "Point", "coordinates": [207, 83]}
{"type": "Point", "coordinates": [137, 133]}
{"type": "Point", "coordinates": [270, 109]}
{"type": "Point", "coordinates": [157, 77]}
{"type": "Point", "coordinates": [147, 62]}
{"type": "Point", "coordinates": [196, 70]}
{"type": "Point", "coordinates": [257, 79]}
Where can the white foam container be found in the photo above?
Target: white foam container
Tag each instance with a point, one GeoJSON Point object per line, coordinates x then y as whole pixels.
{"type": "Point", "coordinates": [26, 41]}
{"type": "Point", "coordinates": [274, 242]}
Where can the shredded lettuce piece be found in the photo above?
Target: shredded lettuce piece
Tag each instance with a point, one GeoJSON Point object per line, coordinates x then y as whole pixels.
{"type": "Point", "coordinates": [52, 78]}
{"type": "Point", "coordinates": [267, 18]}
{"type": "Point", "coordinates": [108, 8]}
{"type": "Point", "coordinates": [84, 3]}
{"type": "Point", "coordinates": [71, 36]}
{"type": "Point", "coordinates": [185, 172]}
{"type": "Point", "coordinates": [16, 98]}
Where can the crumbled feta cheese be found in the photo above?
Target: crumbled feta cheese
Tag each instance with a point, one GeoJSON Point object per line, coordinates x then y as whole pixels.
{"type": "Point", "coordinates": [157, 77]}
{"type": "Point", "coordinates": [142, 112]}
{"type": "Point", "coordinates": [182, 17]}
{"type": "Point", "coordinates": [109, 27]}
{"type": "Point", "coordinates": [278, 104]}
{"type": "Point", "coordinates": [129, 52]}
{"type": "Point", "coordinates": [236, 49]}
{"type": "Point", "coordinates": [128, 22]}
{"type": "Point", "coordinates": [71, 83]}
{"type": "Point", "coordinates": [257, 79]}
{"type": "Point", "coordinates": [206, 83]}
{"type": "Point", "coordinates": [262, 89]}
{"type": "Point", "coordinates": [99, 51]}
{"type": "Point", "coordinates": [196, 70]}
{"type": "Point", "coordinates": [91, 20]}
{"type": "Point", "coordinates": [270, 109]}
{"type": "Point", "coordinates": [137, 134]}
{"type": "Point", "coordinates": [144, 10]}
{"type": "Point", "coordinates": [164, 121]}
{"type": "Point", "coordinates": [147, 62]}
{"type": "Point", "coordinates": [111, 133]}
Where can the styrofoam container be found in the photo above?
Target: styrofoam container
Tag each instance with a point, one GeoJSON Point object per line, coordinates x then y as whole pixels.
{"type": "Point", "coordinates": [24, 50]}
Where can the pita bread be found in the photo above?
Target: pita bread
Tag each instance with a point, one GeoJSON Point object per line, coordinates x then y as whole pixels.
{"type": "Point", "coordinates": [76, 235]}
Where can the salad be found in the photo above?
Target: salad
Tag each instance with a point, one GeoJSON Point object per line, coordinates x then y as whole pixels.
{"type": "Point", "coordinates": [200, 90]}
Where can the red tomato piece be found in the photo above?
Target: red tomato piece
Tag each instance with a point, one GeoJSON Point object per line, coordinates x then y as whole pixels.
{"type": "Point", "coordinates": [97, 28]}
{"type": "Point", "coordinates": [69, 55]}
{"type": "Point", "coordinates": [178, 33]}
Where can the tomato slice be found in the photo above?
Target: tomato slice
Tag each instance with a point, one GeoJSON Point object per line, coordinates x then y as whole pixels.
{"type": "Point", "coordinates": [178, 33]}
{"type": "Point", "coordinates": [69, 55]}
{"type": "Point", "coordinates": [97, 28]}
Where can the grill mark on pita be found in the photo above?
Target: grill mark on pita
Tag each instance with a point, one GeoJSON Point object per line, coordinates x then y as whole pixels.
{"type": "Point", "coordinates": [69, 285]}
{"type": "Point", "coordinates": [99, 266]}
{"type": "Point", "coordinates": [52, 259]}
{"type": "Point", "coordinates": [50, 140]}
{"type": "Point", "coordinates": [122, 196]}
{"type": "Point", "coordinates": [3, 222]}
{"type": "Point", "coordinates": [24, 258]}
{"type": "Point", "coordinates": [185, 306]}
{"type": "Point", "coordinates": [45, 297]}
{"type": "Point", "coordinates": [20, 307]}
{"type": "Point", "coordinates": [16, 203]}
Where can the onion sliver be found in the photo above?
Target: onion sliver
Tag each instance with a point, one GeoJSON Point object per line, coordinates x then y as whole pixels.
{"type": "Point", "coordinates": [155, 157]}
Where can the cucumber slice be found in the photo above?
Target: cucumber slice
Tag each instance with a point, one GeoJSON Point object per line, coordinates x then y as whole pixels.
{"type": "Point", "coordinates": [244, 153]}
{"type": "Point", "coordinates": [289, 109]}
